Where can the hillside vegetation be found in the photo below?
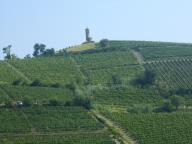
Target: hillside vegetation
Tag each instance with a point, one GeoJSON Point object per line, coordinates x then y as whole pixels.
{"type": "Point", "coordinates": [144, 89]}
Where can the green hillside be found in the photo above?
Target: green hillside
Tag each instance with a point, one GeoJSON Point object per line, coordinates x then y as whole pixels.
{"type": "Point", "coordinates": [124, 92]}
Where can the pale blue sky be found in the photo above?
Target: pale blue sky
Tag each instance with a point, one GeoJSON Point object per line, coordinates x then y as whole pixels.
{"type": "Point", "coordinates": [61, 23]}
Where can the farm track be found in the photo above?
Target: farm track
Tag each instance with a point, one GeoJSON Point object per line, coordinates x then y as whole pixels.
{"type": "Point", "coordinates": [18, 71]}
{"type": "Point", "coordinates": [123, 136]}
{"type": "Point", "coordinates": [139, 57]}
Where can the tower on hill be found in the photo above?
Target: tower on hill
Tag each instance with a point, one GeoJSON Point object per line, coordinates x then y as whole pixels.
{"type": "Point", "coordinates": [87, 35]}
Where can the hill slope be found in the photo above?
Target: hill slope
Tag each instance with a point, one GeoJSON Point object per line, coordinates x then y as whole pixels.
{"type": "Point", "coordinates": [108, 77]}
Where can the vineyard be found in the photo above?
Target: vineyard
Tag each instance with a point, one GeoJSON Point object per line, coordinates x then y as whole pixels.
{"type": "Point", "coordinates": [49, 70]}
{"type": "Point", "coordinates": [128, 96]}
{"type": "Point", "coordinates": [100, 67]}
{"type": "Point", "coordinates": [36, 94]}
{"type": "Point", "coordinates": [46, 119]}
{"type": "Point", "coordinates": [110, 80]}
{"type": "Point", "coordinates": [174, 73]}
{"type": "Point", "coordinates": [169, 128]}
{"type": "Point", "coordinates": [87, 138]}
{"type": "Point", "coordinates": [166, 52]}
{"type": "Point", "coordinates": [7, 74]}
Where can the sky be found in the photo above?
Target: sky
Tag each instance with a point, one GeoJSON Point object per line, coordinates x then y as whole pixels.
{"type": "Point", "coordinates": [61, 23]}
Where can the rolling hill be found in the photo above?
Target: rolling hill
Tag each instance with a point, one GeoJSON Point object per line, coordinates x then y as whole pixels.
{"type": "Point", "coordinates": [119, 93]}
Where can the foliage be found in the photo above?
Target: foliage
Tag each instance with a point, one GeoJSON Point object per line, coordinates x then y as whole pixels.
{"type": "Point", "coordinates": [80, 101]}
{"type": "Point", "coordinates": [27, 102]}
{"type": "Point", "coordinates": [137, 109]}
{"type": "Point", "coordinates": [38, 49]}
{"type": "Point", "coordinates": [36, 83]}
{"type": "Point", "coordinates": [17, 82]}
{"type": "Point", "coordinates": [104, 43]}
{"type": "Point", "coordinates": [7, 51]}
{"type": "Point", "coordinates": [166, 107]}
{"type": "Point", "coordinates": [177, 101]}
{"type": "Point", "coordinates": [148, 78]}
{"type": "Point", "coordinates": [54, 102]}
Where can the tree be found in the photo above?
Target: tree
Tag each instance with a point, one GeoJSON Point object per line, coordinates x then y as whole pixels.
{"type": "Point", "coordinates": [177, 101]}
{"type": "Point", "coordinates": [147, 78]}
{"type": "Point", "coordinates": [49, 52]}
{"type": "Point", "coordinates": [28, 56]}
{"type": "Point", "coordinates": [7, 51]}
{"type": "Point", "coordinates": [104, 43]}
{"type": "Point", "coordinates": [14, 57]}
{"type": "Point", "coordinates": [39, 49]}
{"type": "Point", "coordinates": [82, 101]}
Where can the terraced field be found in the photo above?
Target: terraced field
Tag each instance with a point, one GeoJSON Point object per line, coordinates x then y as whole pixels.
{"type": "Point", "coordinates": [7, 74]}
{"type": "Point", "coordinates": [87, 138]}
{"type": "Point", "coordinates": [49, 70]}
{"type": "Point", "coordinates": [106, 76]}
{"type": "Point", "coordinates": [100, 67]}
{"type": "Point", "coordinates": [169, 128]}
{"type": "Point", "coordinates": [125, 96]}
{"type": "Point", "coordinates": [176, 74]}
{"type": "Point", "coordinates": [167, 52]}
{"type": "Point", "coordinates": [36, 94]}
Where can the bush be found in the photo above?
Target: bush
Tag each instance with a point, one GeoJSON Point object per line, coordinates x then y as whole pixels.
{"type": "Point", "coordinates": [36, 83]}
{"type": "Point", "coordinates": [27, 102]}
{"type": "Point", "coordinates": [54, 102]}
{"type": "Point", "coordinates": [104, 43]}
{"type": "Point", "coordinates": [147, 78]}
{"type": "Point", "coordinates": [17, 82]}
{"type": "Point", "coordinates": [140, 109]}
{"type": "Point", "coordinates": [56, 85]}
{"type": "Point", "coordinates": [177, 101]}
{"type": "Point", "coordinates": [80, 101]}
{"type": "Point", "coordinates": [166, 107]}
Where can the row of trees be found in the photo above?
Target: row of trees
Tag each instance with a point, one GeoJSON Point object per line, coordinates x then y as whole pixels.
{"type": "Point", "coordinates": [39, 50]}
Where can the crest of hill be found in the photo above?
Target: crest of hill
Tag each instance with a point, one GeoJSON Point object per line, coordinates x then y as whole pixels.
{"type": "Point", "coordinates": [82, 47]}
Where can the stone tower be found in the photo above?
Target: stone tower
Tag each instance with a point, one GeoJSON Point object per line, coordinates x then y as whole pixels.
{"type": "Point", "coordinates": [87, 35]}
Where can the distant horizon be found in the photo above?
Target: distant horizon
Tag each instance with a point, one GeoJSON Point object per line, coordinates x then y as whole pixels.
{"type": "Point", "coordinates": [61, 23]}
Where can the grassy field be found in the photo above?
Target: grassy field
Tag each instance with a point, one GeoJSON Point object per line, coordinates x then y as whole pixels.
{"type": "Point", "coordinates": [82, 47]}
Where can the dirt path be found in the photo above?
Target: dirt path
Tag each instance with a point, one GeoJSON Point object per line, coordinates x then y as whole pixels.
{"type": "Point", "coordinates": [139, 57]}
{"type": "Point", "coordinates": [113, 127]}
{"type": "Point", "coordinates": [18, 72]}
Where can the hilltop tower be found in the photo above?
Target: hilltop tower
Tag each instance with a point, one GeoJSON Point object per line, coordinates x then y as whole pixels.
{"type": "Point", "coordinates": [87, 35]}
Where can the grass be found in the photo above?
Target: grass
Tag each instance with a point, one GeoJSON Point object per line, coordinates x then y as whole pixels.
{"type": "Point", "coordinates": [82, 47]}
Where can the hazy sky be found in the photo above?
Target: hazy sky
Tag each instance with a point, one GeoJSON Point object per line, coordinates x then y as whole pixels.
{"type": "Point", "coordinates": [61, 23]}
